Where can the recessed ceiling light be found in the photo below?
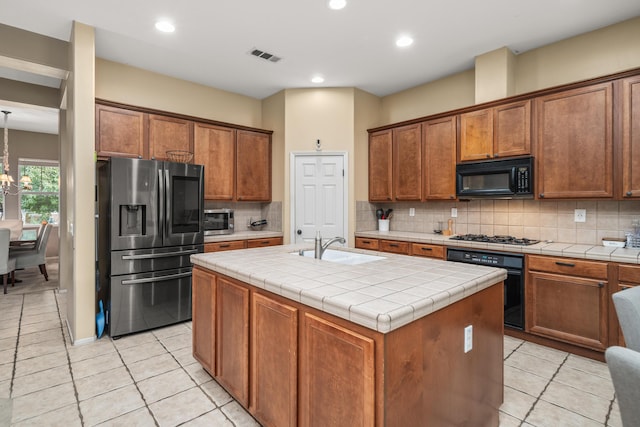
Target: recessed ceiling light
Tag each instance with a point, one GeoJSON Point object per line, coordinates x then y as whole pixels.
{"type": "Point", "coordinates": [165, 26]}
{"type": "Point", "coordinates": [317, 79]}
{"type": "Point", "coordinates": [337, 4]}
{"type": "Point", "coordinates": [404, 41]}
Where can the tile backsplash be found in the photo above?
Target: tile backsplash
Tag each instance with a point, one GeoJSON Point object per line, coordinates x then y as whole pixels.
{"type": "Point", "coordinates": [245, 212]}
{"type": "Point", "coordinates": [533, 219]}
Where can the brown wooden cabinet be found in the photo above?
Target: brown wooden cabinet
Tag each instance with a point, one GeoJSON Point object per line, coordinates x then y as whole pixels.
{"type": "Point", "coordinates": [575, 143]}
{"type": "Point", "coordinates": [630, 158]}
{"type": "Point", "coordinates": [501, 131]}
{"type": "Point", "coordinates": [253, 166]}
{"type": "Point", "coordinates": [260, 243]}
{"type": "Point", "coordinates": [366, 243]}
{"type": "Point", "coordinates": [274, 361]}
{"type": "Point", "coordinates": [429, 251]}
{"type": "Point", "coordinates": [335, 358]}
{"type": "Point", "coordinates": [214, 147]}
{"type": "Point", "coordinates": [567, 300]}
{"type": "Point", "coordinates": [628, 277]}
{"type": "Point", "coordinates": [439, 159]}
{"type": "Point", "coordinates": [169, 133]}
{"type": "Point", "coordinates": [120, 132]}
{"type": "Point", "coordinates": [204, 316]}
{"type": "Point", "coordinates": [232, 338]}
{"type": "Point", "coordinates": [380, 166]}
{"type": "Point", "coordinates": [407, 163]}
{"type": "Point", "coordinates": [225, 246]}
{"type": "Point", "coordinates": [394, 246]}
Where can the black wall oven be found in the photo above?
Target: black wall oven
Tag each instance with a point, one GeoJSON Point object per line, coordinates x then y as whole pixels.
{"type": "Point", "coordinates": [513, 284]}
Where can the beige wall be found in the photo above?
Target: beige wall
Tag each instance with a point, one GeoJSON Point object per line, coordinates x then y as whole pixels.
{"type": "Point", "coordinates": [367, 115]}
{"type": "Point", "coordinates": [134, 86]}
{"type": "Point", "coordinates": [273, 110]}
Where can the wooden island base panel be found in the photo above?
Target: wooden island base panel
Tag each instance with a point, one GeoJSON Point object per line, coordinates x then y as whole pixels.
{"type": "Point", "coordinates": [290, 364]}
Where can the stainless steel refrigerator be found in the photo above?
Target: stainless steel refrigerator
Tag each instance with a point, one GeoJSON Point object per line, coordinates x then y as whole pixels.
{"type": "Point", "coordinates": [150, 221]}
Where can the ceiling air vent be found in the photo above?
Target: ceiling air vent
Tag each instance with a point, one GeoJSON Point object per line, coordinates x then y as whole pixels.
{"type": "Point", "coordinates": [264, 55]}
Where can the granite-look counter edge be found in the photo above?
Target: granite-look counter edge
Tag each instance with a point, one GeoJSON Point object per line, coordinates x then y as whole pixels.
{"type": "Point", "coordinates": [570, 250]}
{"type": "Point", "coordinates": [381, 295]}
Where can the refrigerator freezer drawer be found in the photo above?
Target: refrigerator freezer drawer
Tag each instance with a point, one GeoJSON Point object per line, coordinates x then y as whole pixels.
{"type": "Point", "coordinates": [147, 260]}
{"type": "Point", "coordinates": [149, 300]}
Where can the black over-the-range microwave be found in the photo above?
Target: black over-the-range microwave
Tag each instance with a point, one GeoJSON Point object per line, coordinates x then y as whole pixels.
{"type": "Point", "coordinates": [498, 179]}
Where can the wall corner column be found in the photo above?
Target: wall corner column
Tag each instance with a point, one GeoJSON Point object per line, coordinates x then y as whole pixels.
{"type": "Point", "coordinates": [495, 75]}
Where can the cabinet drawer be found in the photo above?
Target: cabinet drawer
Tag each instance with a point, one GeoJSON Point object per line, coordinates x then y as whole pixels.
{"type": "Point", "coordinates": [573, 267]}
{"type": "Point", "coordinates": [629, 274]}
{"type": "Point", "coordinates": [364, 243]}
{"type": "Point", "coordinates": [257, 243]}
{"type": "Point", "coordinates": [432, 251]}
{"type": "Point", "coordinates": [224, 246]}
{"type": "Point", "coordinates": [394, 247]}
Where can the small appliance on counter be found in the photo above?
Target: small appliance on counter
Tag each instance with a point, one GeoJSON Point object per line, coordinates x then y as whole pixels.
{"type": "Point", "coordinates": [258, 224]}
{"type": "Point", "coordinates": [218, 221]}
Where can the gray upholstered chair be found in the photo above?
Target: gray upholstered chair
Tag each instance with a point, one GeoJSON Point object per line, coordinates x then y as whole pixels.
{"type": "Point", "coordinates": [624, 366]}
{"type": "Point", "coordinates": [37, 256]}
{"type": "Point", "coordinates": [7, 265]}
{"type": "Point", "coordinates": [627, 303]}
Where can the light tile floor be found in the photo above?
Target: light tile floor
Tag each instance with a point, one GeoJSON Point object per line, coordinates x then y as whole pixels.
{"type": "Point", "coordinates": [151, 379]}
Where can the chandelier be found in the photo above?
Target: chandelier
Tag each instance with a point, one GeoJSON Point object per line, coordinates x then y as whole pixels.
{"type": "Point", "coordinates": [6, 180]}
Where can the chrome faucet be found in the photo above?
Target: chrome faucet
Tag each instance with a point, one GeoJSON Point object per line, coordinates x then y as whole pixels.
{"type": "Point", "coordinates": [320, 248]}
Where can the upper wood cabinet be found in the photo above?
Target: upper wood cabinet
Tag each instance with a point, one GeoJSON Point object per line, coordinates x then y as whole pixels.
{"type": "Point", "coordinates": [169, 133]}
{"type": "Point", "coordinates": [214, 147]}
{"type": "Point", "coordinates": [253, 166]}
{"type": "Point", "coordinates": [575, 143]}
{"type": "Point", "coordinates": [237, 163]}
{"type": "Point", "coordinates": [380, 166]}
{"type": "Point", "coordinates": [407, 163]}
{"type": "Point", "coordinates": [630, 186]}
{"type": "Point", "coordinates": [439, 159]}
{"type": "Point", "coordinates": [500, 131]}
{"type": "Point", "coordinates": [120, 132]}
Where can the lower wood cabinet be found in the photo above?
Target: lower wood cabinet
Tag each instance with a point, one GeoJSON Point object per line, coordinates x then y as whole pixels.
{"type": "Point", "coordinates": [628, 277]}
{"type": "Point", "coordinates": [274, 362]}
{"type": "Point", "coordinates": [364, 243]}
{"type": "Point", "coordinates": [242, 244]}
{"type": "Point", "coordinates": [259, 243]}
{"type": "Point", "coordinates": [402, 248]}
{"type": "Point", "coordinates": [429, 251]}
{"type": "Point", "coordinates": [232, 338]}
{"type": "Point", "coordinates": [567, 300]}
{"type": "Point", "coordinates": [337, 375]}
{"type": "Point", "coordinates": [394, 246]}
{"type": "Point", "coordinates": [203, 313]}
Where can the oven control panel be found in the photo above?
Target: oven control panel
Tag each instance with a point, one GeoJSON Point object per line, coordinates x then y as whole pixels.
{"type": "Point", "coordinates": [482, 258]}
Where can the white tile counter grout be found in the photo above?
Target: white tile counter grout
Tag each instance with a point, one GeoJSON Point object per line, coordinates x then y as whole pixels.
{"type": "Point", "coordinates": [570, 250]}
{"type": "Point", "coordinates": [382, 295]}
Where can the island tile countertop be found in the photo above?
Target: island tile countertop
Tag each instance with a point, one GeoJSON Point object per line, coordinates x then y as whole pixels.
{"type": "Point", "coordinates": [570, 250]}
{"type": "Point", "coordinates": [382, 295]}
{"type": "Point", "coordinates": [242, 235]}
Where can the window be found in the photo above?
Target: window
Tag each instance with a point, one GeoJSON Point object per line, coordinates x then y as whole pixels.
{"type": "Point", "coordinates": [42, 202]}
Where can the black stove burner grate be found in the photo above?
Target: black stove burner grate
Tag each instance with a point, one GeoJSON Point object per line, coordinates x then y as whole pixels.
{"type": "Point", "coordinates": [505, 240]}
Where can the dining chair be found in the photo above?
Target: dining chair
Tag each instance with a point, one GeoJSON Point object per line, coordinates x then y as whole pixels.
{"type": "Point", "coordinates": [7, 264]}
{"type": "Point", "coordinates": [627, 305]}
{"type": "Point", "coordinates": [14, 225]}
{"type": "Point", "coordinates": [35, 257]}
{"type": "Point", "coordinates": [624, 366]}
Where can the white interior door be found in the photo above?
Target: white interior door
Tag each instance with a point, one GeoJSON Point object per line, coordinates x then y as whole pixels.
{"type": "Point", "coordinates": [319, 191]}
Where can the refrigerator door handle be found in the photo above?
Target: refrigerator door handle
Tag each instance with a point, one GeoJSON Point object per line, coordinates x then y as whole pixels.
{"type": "Point", "coordinates": [161, 196]}
{"type": "Point", "coordinates": [160, 255]}
{"type": "Point", "coordinates": [168, 230]}
{"type": "Point", "coordinates": [156, 279]}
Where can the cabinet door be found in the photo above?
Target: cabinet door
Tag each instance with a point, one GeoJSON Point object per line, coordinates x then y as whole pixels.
{"type": "Point", "coordinates": [429, 251]}
{"type": "Point", "coordinates": [380, 166]}
{"type": "Point", "coordinates": [631, 138]}
{"type": "Point", "coordinates": [214, 147]}
{"type": "Point", "coordinates": [204, 318]}
{"type": "Point", "coordinates": [232, 339]}
{"type": "Point", "coordinates": [407, 163]}
{"type": "Point", "coordinates": [274, 362]}
{"type": "Point", "coordinates": [394, 247]}
{"type": "Point", "coordinates": [225, 246]}
{"type": "Point", "coordinates": [120, 132]}
{"type": "Point", "coordinates": [253, 166]}
{"type": "Point", "coordinates": [476, 135]}
{"type": "Point", "coordinates": [366, 243]}
{"type": "Point", "coordinates": [439, 159]}
{"type": "Point", "coordinates": [567, 308]}
{"type": "Point", "coordinates": [334, 358]}
{"type": "Point", "coordinates": [260, 243]}
{"type": "Point", "coordinates": [512, 129]}
{"type": "Point", "coordinates": [574, 143]}
{"type": "Point", "coordinates": [169, 133]}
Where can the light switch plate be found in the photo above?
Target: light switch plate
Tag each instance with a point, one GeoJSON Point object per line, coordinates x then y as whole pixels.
{"type": "Point", "coordinates": [412, 211]}
{"type": "Point", "coordinates": [580, 215]}
{"type": "Point", "coordinates": [468, 338]}
{"type": "Point", "coordinates": [454, 212]}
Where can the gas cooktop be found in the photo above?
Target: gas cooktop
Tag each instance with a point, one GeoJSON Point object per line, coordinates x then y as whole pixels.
{"type": "Point", "coordinates": [504, 240]}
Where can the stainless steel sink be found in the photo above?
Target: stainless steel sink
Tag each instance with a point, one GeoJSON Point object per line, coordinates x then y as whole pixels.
{"type": "Point", "coordinates": [341, 257]}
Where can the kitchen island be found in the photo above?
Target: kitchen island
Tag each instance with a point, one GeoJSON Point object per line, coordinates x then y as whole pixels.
{"type": "Point", "coordinates": [379, 342]}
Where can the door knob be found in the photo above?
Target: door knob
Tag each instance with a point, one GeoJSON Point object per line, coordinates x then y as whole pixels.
{"type": "Point", "coordinates": [299, 232]}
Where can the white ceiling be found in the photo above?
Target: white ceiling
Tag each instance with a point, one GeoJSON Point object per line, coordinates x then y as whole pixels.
{"type": "Point", "coordinates": [353, 47]}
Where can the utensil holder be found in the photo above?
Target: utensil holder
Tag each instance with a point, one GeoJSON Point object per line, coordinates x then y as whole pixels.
{"type": "Point", "coordinates": [383, 225]}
